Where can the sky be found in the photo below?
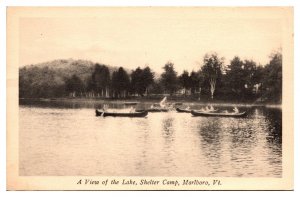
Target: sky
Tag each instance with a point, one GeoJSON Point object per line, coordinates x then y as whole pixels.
{"type": "Point", "coordinates": [132, 37]}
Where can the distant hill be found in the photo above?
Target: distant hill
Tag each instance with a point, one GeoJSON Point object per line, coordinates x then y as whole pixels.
{"type": "Point", "coordinates": [65, 68]}
{"type": "Point", "coordinates": [62, 63]}
{"type": "Point", "coordinates": [47, 79]}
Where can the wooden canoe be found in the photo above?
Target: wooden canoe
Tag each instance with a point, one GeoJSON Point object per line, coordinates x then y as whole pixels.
{"type": "Point", "coordinates": [198, 113]}
{"type": "Point", "coordinates": [117, 114]}
{"type": "Point", "coordinates": [130, 103]}
{"type": "Point", "coordinates": [189, 110]}
{"type": "Point", "coordinates": [183, 110]}
{"type": "Point", "coordinates": [154, 110]}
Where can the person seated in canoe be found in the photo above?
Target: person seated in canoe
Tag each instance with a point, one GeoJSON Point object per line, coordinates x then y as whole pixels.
{"type": "Point", "coordinates": [151, 107]}
{"type": "Point", "coordinates": [206, 109]}
{"type": "Point", "coordinates": [131, 109]}
{"type": "Point", "coordinates": [211, 108]}
{"type": "Point", "coordinates": [103, 110]}
{"type": "Point", "coordinates": [225, 111]}
{"type": "Point", "coordinates": [188, 108]}
{"type": "Point", "coordinates": [236, 110]}
{"type": "Point", "coordinates": [170, 106]}
{"type": "Point", "coordinates": [163, 103]}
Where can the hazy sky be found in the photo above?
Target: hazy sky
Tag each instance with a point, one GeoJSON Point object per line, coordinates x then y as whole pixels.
{"type": "Point", "coordinates": [136, 37]}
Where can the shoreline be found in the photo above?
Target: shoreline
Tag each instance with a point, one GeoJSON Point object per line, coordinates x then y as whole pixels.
{"type": "Point", "coordinates": [152, 100]}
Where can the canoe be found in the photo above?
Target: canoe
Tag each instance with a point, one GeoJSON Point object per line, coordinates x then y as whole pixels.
{"type": "Point", "coordinates": [130, 103]}
{"type": "Point", "coordinates": [183, 110]}
{"type": "Point", "coordinates": [154, 110]}
{"type": "Point", "coordinates": [198, 113]}
{"type": "Point", "coordinates": [209, 111]}
{"type": "Point", "coordinates": [117, 114]}
{"type": "Point", "coordinates": [189, 110]}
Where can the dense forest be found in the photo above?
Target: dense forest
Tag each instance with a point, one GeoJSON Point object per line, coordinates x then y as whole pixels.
{"type": "Point", "coordinates": [240, 81]}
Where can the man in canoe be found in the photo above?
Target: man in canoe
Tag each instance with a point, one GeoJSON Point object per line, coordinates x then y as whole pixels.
{"type": "Point", "coordinates": [104, 108]}
{"type": "Point", "coordinates": [209, 109]}
{"type": "Point", "coordinates": [163, 102]}
{"type": "Point", "coordinates": [236, 110]}
{"type": "Point", "coordinates": [132, 110]}
{"type": "Point", "coordinates": [206, 109]}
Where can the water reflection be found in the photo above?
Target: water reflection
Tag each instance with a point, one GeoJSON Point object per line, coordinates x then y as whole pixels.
{"type": "Point", "coordinates": [168, 149]}
{"type": "Point", "coordinates": [274, 138]}
{"type": "Point", "coordinates": [141, 164]}
{"type": "Point", "coordinates": [211, 143]}
{"type": "Point", "coordinates": [274, 127]}
{"type": "Point", "coordinates": [168, 129]}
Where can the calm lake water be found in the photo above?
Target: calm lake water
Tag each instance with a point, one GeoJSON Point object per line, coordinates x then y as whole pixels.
{"type": "Point", "coordinates": [66, 138]}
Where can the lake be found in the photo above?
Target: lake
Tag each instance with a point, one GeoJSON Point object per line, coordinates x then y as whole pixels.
{"type": "Point", "coordinates": [64, 138]}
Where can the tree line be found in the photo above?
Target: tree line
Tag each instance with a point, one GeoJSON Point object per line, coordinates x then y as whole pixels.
{"type": "Point", "coordinates": [241, 80]}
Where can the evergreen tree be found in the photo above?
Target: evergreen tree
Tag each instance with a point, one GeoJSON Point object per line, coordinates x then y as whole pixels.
{"type": "Point", "coordinates": [272, 81]}
{"type": "Point", "coordinates": [169, 78]}
{"type": "Point", "coordinates": [74, 85]}
{"type": "Point", "coordinates": [185, 81]}
{"type": "Point", "coordinates": [120, 83]}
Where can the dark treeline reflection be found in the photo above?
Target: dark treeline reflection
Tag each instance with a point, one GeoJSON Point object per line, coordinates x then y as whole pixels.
{"type": "Point", "coordinates": [274, 126]}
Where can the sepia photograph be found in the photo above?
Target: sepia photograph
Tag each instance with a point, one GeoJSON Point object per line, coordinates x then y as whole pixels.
{"type": "Point", "coordinates": [150, 98]}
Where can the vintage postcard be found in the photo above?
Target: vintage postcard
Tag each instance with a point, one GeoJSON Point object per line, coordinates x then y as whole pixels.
{"type": "Point", "coordinates": [150, 98]}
